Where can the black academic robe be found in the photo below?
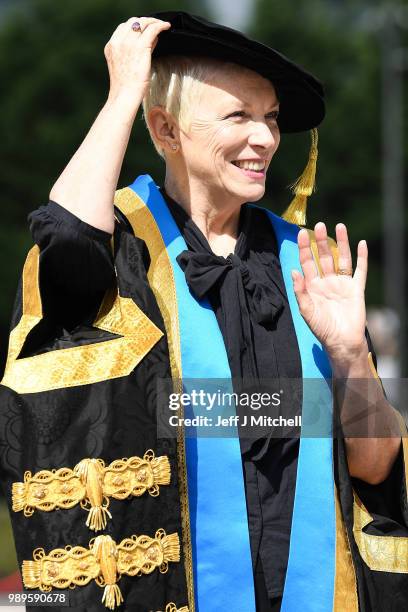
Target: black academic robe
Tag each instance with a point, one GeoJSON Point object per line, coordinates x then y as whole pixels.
{"type": "Point", "coordinates": [65, 400]}
{"type": "Point", "coordinates": [89, 409]}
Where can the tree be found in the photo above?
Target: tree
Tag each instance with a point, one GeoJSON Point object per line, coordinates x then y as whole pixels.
{"type": "Point", "coordinates": [327, 38]}
{"type": "Point", "coordinates": [54, 81]}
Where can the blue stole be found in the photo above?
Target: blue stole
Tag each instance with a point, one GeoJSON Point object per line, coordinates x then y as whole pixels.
{"type": "Point", "coordinates": [309, 584]}
{"type": "Point", "coordinates": [219, 529]}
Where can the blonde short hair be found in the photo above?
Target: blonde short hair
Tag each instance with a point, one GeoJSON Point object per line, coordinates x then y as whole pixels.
{"type": "Point", "coordinates": [175, 85]}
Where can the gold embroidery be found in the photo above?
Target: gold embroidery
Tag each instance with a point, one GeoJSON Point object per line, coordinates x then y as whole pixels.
{"type": "Point", "coordinates": [90, 473]}
{"type": "Point", "coordinates": [171, 607]}
{"type": "Point", "coordinates": [161, 280]}
{"type": "Point", "coordinates": [79, 365]}
{"type": "Point", "coordinates": [104, 561]}
{"type": "Point", "coordinates": [345, 585]}
{"type": "Point", "coordinates": [380, 553]}
{"type": "Point", "coordinates": [32, 309]}
{"type": "Point", "coordinates": [91, 484]}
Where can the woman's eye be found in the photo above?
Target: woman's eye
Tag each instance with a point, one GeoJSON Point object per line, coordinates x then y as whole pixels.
{"type": "Point", "coordinates": [237, 114]}
{"type": "Point", "coordinates": [273, 115]}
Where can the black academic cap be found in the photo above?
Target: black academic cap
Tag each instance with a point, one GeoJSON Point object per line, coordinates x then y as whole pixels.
{"type": "Point", "coordinates": [300, 94]}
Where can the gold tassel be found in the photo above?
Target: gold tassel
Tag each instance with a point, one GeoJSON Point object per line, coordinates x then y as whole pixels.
{"type": "Point", "coordinates": [18, 492]}
{"type": "Point", "coordinates": [112, 596]}
{"type": "Point", "coordinates": [161, 470]}
{"type": "Point", "coordinates": [105, 551]}
{"type": "Point", "coordinates": [304, 186]}
{"type": "Point", "coordinates": [31, 573]}
{"type": "Point", "coordinates": [97, 518]}
{"type": "Point", "coordinates": [171, 547]}
{"type": "Point", "coordinates": [90, 471]}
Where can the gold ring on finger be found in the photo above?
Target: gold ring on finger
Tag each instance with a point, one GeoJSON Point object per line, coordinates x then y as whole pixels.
{"type": "Point", "coordinates": [345, 272]}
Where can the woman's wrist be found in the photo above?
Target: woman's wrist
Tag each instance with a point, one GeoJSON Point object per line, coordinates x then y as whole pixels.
{"type": "Point", "coordinates": [351, 362]}
{"type": "Point", "coordinates": [124, 103]}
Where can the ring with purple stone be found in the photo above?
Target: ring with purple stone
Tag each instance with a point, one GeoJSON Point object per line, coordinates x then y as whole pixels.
{"type": "Point", "coordinates": [136, 26]}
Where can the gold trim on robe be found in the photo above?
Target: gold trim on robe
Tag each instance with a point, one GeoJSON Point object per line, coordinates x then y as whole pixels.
{"type": "Point", "coordinates": [345, 582]}
{"type": "Point", "coordinates": [91, 484]}
{"type": "Point", "coordinates": [79, 365]}
{"type": "Point", "coordinates": [161, 280]}
{"type": "Point", "coordinates": [104, 561]}
{"type": "Point", "coordinates": [380, 553]}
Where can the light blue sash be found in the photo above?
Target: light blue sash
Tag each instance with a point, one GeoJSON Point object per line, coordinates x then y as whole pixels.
{"type": "Point", "coordinates": [310, 575]}
{"type": "Point", "coordinates": [219, 528]}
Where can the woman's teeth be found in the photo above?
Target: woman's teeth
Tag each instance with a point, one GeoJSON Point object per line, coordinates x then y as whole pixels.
{"type": "Point", "coordinates": [250, 165]}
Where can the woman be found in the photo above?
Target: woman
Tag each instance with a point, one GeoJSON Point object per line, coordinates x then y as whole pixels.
{"type": "Point", "coordinates": [201, 285]}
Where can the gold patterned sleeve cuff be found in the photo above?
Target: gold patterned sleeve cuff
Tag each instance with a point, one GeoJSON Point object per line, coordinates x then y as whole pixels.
{"type": "Point", "coordinates": [91, 484]}
{"type": "Point", "coordinates": [104, 561]}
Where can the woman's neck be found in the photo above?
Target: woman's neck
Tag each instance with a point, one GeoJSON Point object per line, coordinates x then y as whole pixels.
{"type": "Point", "coordinates": [219, 224]}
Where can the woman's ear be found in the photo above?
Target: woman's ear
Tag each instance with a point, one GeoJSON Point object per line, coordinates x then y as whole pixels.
{"type": "Point", "coordinates": [163, 129]}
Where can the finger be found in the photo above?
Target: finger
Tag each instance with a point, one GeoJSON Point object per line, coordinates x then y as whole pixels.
{"type": "Point", "coordinates": [119, 32]}
{"type": "Point", "coordinates": [303, 299]}
{"type": "Point", "coordinates": [305, 256]}
{"type": "Point", "coordinates": [151, 32]}
{"type": "Point", "coordinates": [125, 28]}
{"type": "Point", "coordinates": [144, 21]}
{"type": "Point", "coordinates": [343, 245]}
{"type": "Point", "coordinates": [145, 24]}
{"type": "Point", "coordinates": [325, 254]}
{"type": "Point", "coordinates": [360, 274]}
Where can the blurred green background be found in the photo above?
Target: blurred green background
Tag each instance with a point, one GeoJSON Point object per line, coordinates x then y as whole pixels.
{"type": "Point", "coordinates": [54, 80]}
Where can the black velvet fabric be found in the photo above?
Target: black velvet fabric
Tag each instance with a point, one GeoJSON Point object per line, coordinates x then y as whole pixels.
{"type": "Point", "coordinates": [112, 419]}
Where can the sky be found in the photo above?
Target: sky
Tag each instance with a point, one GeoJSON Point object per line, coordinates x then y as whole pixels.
{"type": "Point", "coordinates": [232, 13]}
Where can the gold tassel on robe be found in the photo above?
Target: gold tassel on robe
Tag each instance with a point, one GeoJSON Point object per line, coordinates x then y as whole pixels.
{"type": "Point", "coordinates": [90, 471]}
{"type": "Point", "coordinates": [105, 551]}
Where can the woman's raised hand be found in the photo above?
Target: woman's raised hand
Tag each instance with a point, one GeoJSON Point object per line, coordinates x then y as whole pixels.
{"type": "Point", "coordinates": [333, 304]}
{"type": "Point", "coordinates": [87, 185]}
{"type": "Point", "coordinates": [128, 54]}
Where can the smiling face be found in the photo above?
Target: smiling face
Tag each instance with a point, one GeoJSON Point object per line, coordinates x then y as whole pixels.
{"type": "Point", "coordinates": [232, 135]}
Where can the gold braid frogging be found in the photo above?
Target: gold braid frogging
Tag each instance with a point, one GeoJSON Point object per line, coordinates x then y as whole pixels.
{"type": "Point", "coordinates": [91, 484]}
{"type": "Point", "coordinates": [104, 561]}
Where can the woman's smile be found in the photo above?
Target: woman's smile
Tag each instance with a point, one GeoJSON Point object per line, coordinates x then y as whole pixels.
{"type": "Point", "coordinates": [255, 169]}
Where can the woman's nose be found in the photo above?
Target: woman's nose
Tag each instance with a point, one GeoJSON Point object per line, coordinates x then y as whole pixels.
{"type": "Point", "coordinates": [262, 135]}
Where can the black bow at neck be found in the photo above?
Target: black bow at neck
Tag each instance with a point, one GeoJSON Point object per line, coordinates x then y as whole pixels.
{"type": "Point", "coordinates": [235, 294]}
{"type": "Point", "coordinates": [205, 270]}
